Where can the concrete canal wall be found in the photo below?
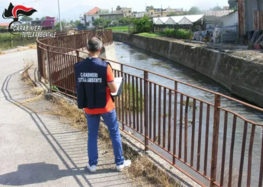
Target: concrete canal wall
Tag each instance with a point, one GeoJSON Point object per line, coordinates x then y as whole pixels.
{"type": "Point", "coordinates": [241, 77]}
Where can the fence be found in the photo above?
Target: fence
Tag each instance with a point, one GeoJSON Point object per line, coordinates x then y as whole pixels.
{"type": "Point", "coordinates": [203, 138]}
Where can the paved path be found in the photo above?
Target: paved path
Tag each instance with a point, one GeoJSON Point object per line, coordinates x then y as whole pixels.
{"type": "Point", "coordinates": [38, 149]}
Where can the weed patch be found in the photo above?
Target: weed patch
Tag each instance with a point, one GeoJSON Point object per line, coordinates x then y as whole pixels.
{"type": "Point", "coordinates": [25, 76]}
{"type": "Point", "coordinates": [133, 90]}
{"type": "Point", "coordinates": [143, 169]}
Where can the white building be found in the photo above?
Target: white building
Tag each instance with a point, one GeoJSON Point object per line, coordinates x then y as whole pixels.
{"type": "Point", "coordinates": [230, 19]}
{"type": "Point", "coordinates": [178, 20]}
{"type": "Point", "coordinates": [91, 16]}
{"type": "Point", "coordinates": [138, 14]}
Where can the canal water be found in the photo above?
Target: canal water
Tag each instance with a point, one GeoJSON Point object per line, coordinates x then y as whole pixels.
{"type": "Point", "coordinates": [138, 58]}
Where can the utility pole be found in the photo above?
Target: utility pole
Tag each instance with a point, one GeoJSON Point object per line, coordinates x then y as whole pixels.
{"type": "Point", "coordinates": [60, 25]}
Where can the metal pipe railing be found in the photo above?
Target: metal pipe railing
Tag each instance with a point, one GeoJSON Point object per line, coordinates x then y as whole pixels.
{"type": "Point", "coordinates": [190, 133]}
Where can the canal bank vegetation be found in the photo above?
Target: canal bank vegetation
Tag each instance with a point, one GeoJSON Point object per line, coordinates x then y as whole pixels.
{"type": "Point", "coordinates": [149, 34]}
{"type": "Point", "coordinates": [119, 28]}
{"type": "Point", "coordinates": [138, 98]}
{"type": "Point", "coordinates": [144, 27]}
{"type": "Point", "coordinates": [143, 24]}
{"type": "Point", "coordinates": [172, 33]}
{"type": "Point", "coordinates": [177, 33]}
{"type": "Point", "coordinates": [9, 41]}
{"type": "Point", "coordinates": [133, 25]}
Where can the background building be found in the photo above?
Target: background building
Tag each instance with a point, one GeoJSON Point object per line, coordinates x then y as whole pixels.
{"type": "Point", "coordinates": [127, 12]}
{"type": "Point", "coordinates": [138, 14]}
{"type": "Point", "coordinates": [90, 17]}
{"type": "Point", "coordinates": [48, 22]}
{"type": "Point", "coordinates": [112, 16]}
{"type": "Point", "coordinates": [159, 12]}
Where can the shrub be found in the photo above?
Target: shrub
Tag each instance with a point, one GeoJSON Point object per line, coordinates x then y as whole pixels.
{"type": "Point", "coordinates": [183, 34]}
{"type": "Point", "coordinates": [125, 21]}
{"type": "Point", "coordinates": [177, 33]}
{"type": "Point", "coordinates": [8, 40]}
{"type": "Point", "coordinates": [101, 22]}
{"type": "Point", "coordinates": [143, 24]}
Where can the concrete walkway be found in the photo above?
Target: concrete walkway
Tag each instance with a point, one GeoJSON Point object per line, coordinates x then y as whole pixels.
{"type": "Point", "coordinates": [37, 148]}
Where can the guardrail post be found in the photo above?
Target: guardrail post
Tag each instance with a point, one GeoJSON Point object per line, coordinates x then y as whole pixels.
{"type": "Point", "coordinates": [48, 69]}
{"type": "Point", "coordinates": [215, 139]}
{"type": "Point", "coordinates": [40, 64]}
{"type": "Point", "coordinates": [146, 110]}
{"type": "Point", "coordinates": [75, 41]}
{"type": "Point", "coordinates": [175, 119]}
{"type": "Point", "coordinates": [122, 98]}
{"type": "Point", "coordinates": [77, 53]}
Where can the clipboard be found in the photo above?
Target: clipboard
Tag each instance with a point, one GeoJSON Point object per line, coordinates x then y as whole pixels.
{"type": "Point", "coordinates": [119, 83]}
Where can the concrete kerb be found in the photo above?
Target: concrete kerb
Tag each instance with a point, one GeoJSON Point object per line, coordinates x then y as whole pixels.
{"type": "Point", "coordinates": [129, 144]}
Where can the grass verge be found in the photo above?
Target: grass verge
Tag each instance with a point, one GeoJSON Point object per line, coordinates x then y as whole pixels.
{"type": "Point", "coordinates": [148, 34]}
{"type": "Point", "coordinates": [119, 28]}
{"type": "Point", "coordinates": [71, 112]}
{"type": "Point", "coordinates": [9, 41]}
{"type": "Point", "coordinates": [172, 33]}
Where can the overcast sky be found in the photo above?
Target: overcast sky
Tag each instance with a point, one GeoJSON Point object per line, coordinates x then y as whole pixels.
{"type": "Point", "coordinates": [72, 9]}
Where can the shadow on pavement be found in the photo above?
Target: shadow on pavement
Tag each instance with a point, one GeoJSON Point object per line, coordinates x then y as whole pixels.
{"type": "Point", "coordinates": [39, 173]}
{"type": "Point", "coordinates": [35, 173]}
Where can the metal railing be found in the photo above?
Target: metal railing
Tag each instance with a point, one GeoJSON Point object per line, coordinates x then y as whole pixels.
{"type": "Point", "coordinates": [205, 138]}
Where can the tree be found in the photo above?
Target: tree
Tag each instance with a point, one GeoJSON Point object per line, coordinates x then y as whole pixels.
{"type": "Point", "coordinates": [194, 10]}
{"type": "Point", "coordinates": [118, 7]}
{"type": "Point", "coordinates": [26, 18]}
{"type": "Point", "coordinates": [125, 21]}
{"type": "Point", "coordinates": [40, 19]}
{"type": "Point", "coordinates": [72, 22]}
{"type": "Point", "coordinates": [176, 14]}
{"type": "Point", "coordinates": [149, 8]}
{"type": "Point", "coordinates": [80, 25]}
{"type": "Point", "coordinates": [63, 24]}
{"type": "Point", "coordinates": [232, 4]}
{"type": "Point", "coordinates": [143, 24]}
{"type": "Point", "coordinates": [101, 22]}
{"type": "Point", "coordinates": [217, 8]}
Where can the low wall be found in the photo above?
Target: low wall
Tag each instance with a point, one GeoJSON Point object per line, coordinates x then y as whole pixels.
{"type": "Point", "coordinates": [242, 78]}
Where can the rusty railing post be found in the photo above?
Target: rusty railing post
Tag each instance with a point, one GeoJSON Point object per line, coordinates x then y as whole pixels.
{"type": "Point", "coordinates": [77, 53]}
{"type": "Point", "coordinates": [215, 139]}
{"type": "Point", "coordinates": [75, 41]}
{"type": "Point", "coordinates": [40, 64]}
{"type": "Point", "coordinates": [122, 98]}
{"type": "Point", "coordinates": [48, 69]}
{"type": "Point", "coordinates": [175, 119]}
{"type": "Point", "coordinates": [146, 110]}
